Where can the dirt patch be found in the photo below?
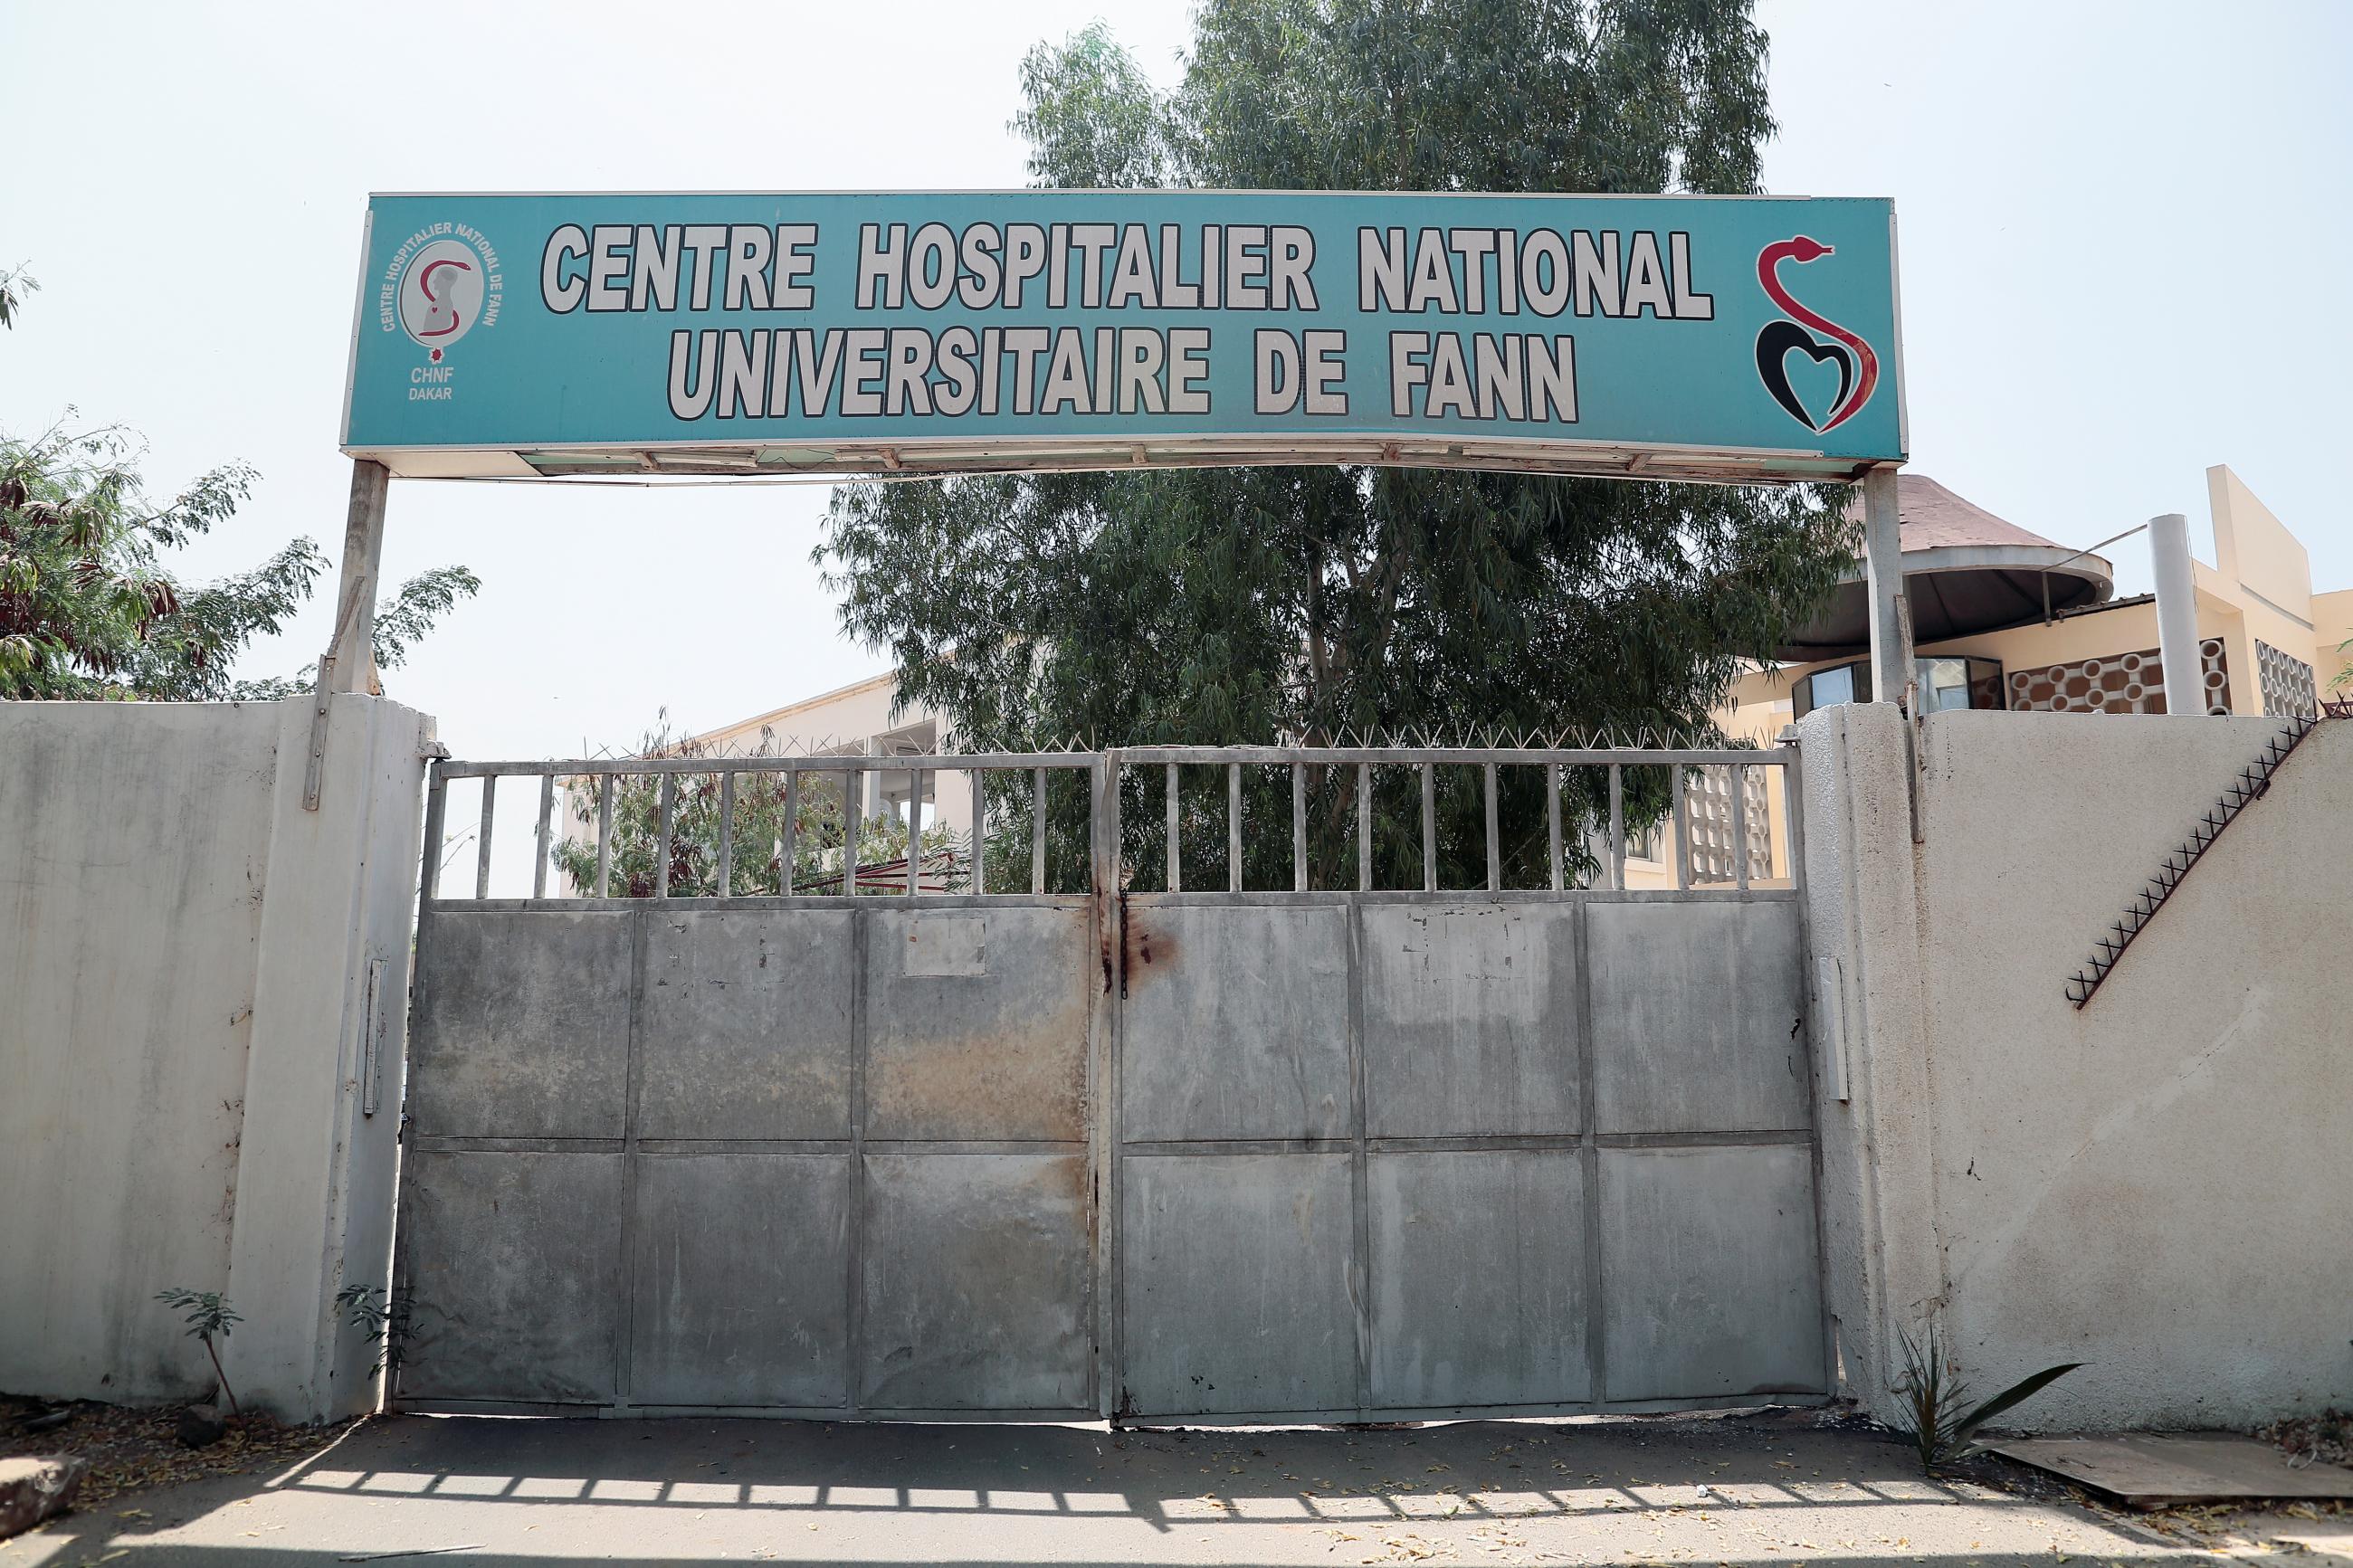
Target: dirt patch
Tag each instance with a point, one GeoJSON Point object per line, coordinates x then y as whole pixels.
{"type": "Point", "coordinates": [130, 1450]}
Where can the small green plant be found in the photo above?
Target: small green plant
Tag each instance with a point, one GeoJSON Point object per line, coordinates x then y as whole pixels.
{"type": "Point", "coordinates": [210, 1318]}
{"type": "Point", "coordinates": [383, 1316]}
{"type": "Point", "coordinates": [1938, 1423]}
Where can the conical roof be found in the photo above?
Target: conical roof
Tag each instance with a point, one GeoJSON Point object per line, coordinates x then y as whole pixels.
{"type": "Point", "coordinates": [1965, 570]}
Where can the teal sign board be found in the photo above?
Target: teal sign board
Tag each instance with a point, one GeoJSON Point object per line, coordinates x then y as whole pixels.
{"type": "Point", "coordinates": [1697, 337]}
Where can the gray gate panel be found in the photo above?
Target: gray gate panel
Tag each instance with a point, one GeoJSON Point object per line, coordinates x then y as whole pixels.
{"type": "Point", "coordinates": [1236, 1284]}
{"type": "Point", "coordinates": [976, 1276]}
{"type": "Point", "coordinates": [1477, 1272]}
{"type": "Point", "coordinates": [514, 1268]}
{"type": "Point", "coordinates": [745, 1027]}
{"type": "Point", "coordinates": [1469, 1019]}
{"type": "Point", "coordinates": [976, 1023]}
{"type": "Point", "coordinates": [1236, 1023]}
{"type": "Point", "coordinates": [1710, 1279]}
{"type": "Point", "coordinates": [742, 1280]}
{"type": "Point", "coordinates": [1695, 1017]}
{"type": "Point", "coordinates": [522, 1025]}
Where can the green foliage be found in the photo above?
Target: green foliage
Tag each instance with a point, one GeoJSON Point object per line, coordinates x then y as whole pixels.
{"type": "Point", "coordinates": [1226, 607]}
{"type": "Point", "coordinates": [384, 1316]}
{"type": "Point", "coordinates": [15, 284]}
{"type": "Point", "coordinates": [210, 1318]}
{"type": "Point", "coordinates": [1935, 1420]}
{"type": "Point", "coordinates": [757, 844]}
{"type": "Point", "coordinates": [88, 609]}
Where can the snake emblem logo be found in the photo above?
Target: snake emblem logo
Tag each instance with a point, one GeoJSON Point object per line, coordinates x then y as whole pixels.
{"type": "Point", "coordinates": [1858, 367]}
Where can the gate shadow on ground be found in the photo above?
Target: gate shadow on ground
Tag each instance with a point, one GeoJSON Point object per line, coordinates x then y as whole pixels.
{"type": "Point", "coordinates": [1732, 1491]}
{"type": "Point", "coordinates": [1170, 1477]}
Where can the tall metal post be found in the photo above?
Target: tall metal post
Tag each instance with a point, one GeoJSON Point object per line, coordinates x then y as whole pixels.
{"type": "Point", "coordinates": [1891, 650]}
{"type": "Point", "coordinates": [349, 663]}
{"type": "Point", "coordinates": [351, 652]}
{"type": "Point", "coordinates": [2176, 614]}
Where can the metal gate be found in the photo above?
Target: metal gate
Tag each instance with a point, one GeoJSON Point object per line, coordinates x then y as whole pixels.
{"type": "Point", "coordinates": [1315, 1154]}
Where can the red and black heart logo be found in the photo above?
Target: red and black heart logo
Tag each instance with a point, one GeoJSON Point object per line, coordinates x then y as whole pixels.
{"type": "Point", "coordinates": [1858, 367]}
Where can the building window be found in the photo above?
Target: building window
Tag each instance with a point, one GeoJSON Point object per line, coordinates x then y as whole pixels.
{"type": "Point", "coordinates": [1945, 684]}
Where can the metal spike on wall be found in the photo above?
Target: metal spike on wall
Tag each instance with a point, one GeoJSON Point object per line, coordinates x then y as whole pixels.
{"type": "Point", "coordinates": [2251, 785]}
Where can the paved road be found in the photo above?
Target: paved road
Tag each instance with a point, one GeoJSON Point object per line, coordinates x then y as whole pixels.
{"type": "Point", "coordinates": [1738, 1492]}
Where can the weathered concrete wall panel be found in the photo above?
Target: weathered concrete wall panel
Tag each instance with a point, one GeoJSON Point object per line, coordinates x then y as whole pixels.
{"type": "Point", "coordinates": [1237, 1283]}
{"type": "Point", "coordinates": [741, 1290]}
{"type": "Point", "coordinates": [1478, 1269]}
{"type": "Point", "coordinates": [1237, 1025]}
{"type": "Point", "coordinates": [515, 1262]}
{"type": "Point", "coordinates": [2155, 1184]}
{"type": "Point", "coordinates": [976, 1282]}
{"type": "Point", "coordinates": [978, 1022]}
{"type": "Point", "coordinates": [184, 949]}
{"type": "Point", "coordinates": [1696, 1017]}
{"type": "Point", "coordinates": [1700, 1297]}
{"type": "Point", "coordinates": [1470, 1019]}
{"type": "Point", "coordinates": [746, 1024]}
{"type": "Point", "coordinates": [522, 1025]}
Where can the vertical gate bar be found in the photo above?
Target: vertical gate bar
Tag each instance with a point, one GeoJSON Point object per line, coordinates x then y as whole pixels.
{"type": "Point", "coordinates": [1494, 839]}
{"type": "Point", "coordinates": [1617, 830]}
{"type": "Point", "coordinates": [1233, 827]}
{"type": "Point", "coordinates": [1175, 870]}
{"type": "Point", "coordinates": [640, 920]}
{"type": "Point", "coordinates": [1682, 831]}
{"type": "Point", "coordinates": [1552, 820]}
{"type": "Point", "coordinates": [1360, 1203]}
{"type": "Point", "coordinates": [668, 826]}
{"type": "Point", "coordinates": [979, 832]}
{"type": "Point", "coordinates": [1038, 833]}
{"type": "Point", "coordinates": [785, 835]}
{"type": "Point", "coordinates": [915, 830]}
{"type": "Point", "coordinates": [1364, 828]}
{"type": "Point", "coordinates": [482, 839]}
{"type": "Point", "coordinates": [854, 1309]}
{"type": "Point", "coordinates": [1588, 1153]}
{"type": "Point", "coordinates": [1793, 810]}
{"type": "Point", "coordinates": [1429, 829]}
{"type": "Point", "coordinates": [604, 832]}
{"type": "Point", "coordinates": [1298, 828]}
{"type": "Point", "coordinates": [853, 807]}
{"type": "Point", "coordinates": [437, 800]}
{"type": "Point", "coordinates": [1739, 827]}
{"type": "Point", "coordinates": [1102, 1094]}
{"type": "Point", "coordinates": [547, 827]}
{"type": "Point", "coordinates": [726, 834]}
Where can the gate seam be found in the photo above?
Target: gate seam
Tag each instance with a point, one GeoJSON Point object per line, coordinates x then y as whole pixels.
{"type": "Point", "coordinates": [854, 1273]}
{"type": "Point", "coordinates": [1360, 1271]}
{"type": "Point", "coordinates": [625, 1353]}
{"type": "Point", "coordinates": [1588, 1164]}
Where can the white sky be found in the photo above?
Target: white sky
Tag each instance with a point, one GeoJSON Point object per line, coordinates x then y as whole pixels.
{"type": "Point", "coordinates": [2125, 227]}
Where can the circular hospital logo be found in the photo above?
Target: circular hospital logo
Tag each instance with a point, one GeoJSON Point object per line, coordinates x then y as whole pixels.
{"type": "Point", "coordinates": [442, 294]}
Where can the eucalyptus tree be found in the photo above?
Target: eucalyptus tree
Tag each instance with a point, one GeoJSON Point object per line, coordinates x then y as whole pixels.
{"type": "Point", "coordinates": [1223, 607]}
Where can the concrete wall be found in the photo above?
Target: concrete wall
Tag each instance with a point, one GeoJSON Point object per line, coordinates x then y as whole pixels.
{"type": "Point", "coordinates": [183, 963]}
{"type": "Point", "coordinates": [2157, 1184]}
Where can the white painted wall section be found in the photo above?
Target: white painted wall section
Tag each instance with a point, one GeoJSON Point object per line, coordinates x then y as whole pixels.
{"type": "Point", "coordinates": [181, 994]}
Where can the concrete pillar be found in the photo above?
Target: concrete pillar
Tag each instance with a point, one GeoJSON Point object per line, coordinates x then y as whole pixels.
{"type": "Point", "coordinates": [2176, 614]}
{"type": "Point", "coordinates": [1891, 638]}
{"type": "Point", "coordinates": [318, 1153]}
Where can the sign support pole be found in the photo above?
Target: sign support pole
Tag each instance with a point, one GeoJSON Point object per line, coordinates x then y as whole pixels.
{"type": "Point", "coordinates": [349, 663]}
{"type": "Point", "coordinates": [1891, 638]}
